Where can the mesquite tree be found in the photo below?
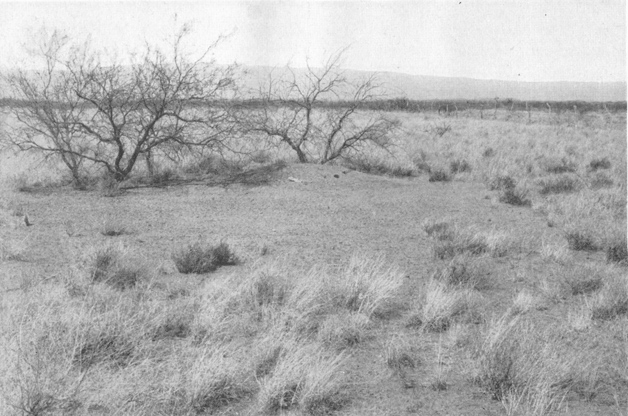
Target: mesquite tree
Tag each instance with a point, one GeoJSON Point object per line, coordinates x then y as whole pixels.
{"type": "Point", "coordinates": [315, 113]}
{"type": "Point", "coordinates": [109, 115]}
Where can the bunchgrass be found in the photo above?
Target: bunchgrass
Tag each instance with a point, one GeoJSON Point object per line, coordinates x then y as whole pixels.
{"type": "Point", "coordinates": [563, 183]}
{"type": "Point", "coordinates": [439, 175]}
{"type": "Point", "coordinates": [198, 259]}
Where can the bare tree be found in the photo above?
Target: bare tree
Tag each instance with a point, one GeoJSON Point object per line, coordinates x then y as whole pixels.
{"type": "Point", "coordinates": [315, 113]}
{"type": "Point", "coordinates": [109, 115]}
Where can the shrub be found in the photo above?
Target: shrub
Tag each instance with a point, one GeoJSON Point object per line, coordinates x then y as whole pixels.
{"type": "Point", "coordinates": [439, 175]}
{"type": "Point", "coordinates": [162, 177]}
{"type": "Point", "coordinates": [597, 164]}
{"type": "Point", "coordinates": [580, 241]}
{"type": "Point", "coordinates": [559, 184]}
{"type": "Point", "coordinates": [202, 260]}
{"type": "Point", "coordinates": [459, 166]}
{"type": "Point", "coordinates": [420, 163]}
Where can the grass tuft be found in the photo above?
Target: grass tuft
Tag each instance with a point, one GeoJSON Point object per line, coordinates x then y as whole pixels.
{"type": "Point", "coordinates": [597, 164]}
{"type": "Point", "coordinates": [439, 175]}
{"type": "Point", "coordinates": [201, 260]}
{"type": "Point", "coordinates": [459, 166]}
{"type": "Point", "coordinates": [563, 183]}
{"type": "Point", "coordinates": [581, 241]}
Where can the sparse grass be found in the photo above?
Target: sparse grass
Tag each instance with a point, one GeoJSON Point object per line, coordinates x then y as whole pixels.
{"type": "Point", "coordinates": [440, 229]}
{"type": "Point", "coordinates": [439, 175]}
{"type": "Point", "coordinates": [554, 252]}
{"type": "Point", "coordinates": [564, 183]}
{"type": "Point", "coordinates": [201, 260]}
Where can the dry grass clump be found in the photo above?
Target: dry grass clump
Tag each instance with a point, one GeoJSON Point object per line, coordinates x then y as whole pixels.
{"type": "Point", "coordinates": [112, 228]}
{"type": "Point", "coordinates": [579, 280]}
{"type": "Point", "coordinates": [514, 196]}
{"type": "Point", "coordinates": [112, 264]}
{"type": "Point", "coordinates": [304, 377]}
{"type": "Point", "coordinates": [612, 301]}
{"type": "Point", "coordinates": [439, 306]}
{"type": "Point", "coordinates": [366, 285]}
{"type": "Point", "coordinates": [471, 242]}
{"type": "Point", "coordinates": [519, 360]}
{"type": "Point", "coordinates": [556, 165]}
{"type": "Point", "coordinates": [599, 163]}
{"type": "Point", "coordinates": [459, 166]}
{"type": "Point", "coordinates": [439, 175]}
{"type": "Point", "coordinates": [463, 271]}
{"type": "Point", "coordinates": [563, 183]}
{"type": "Point", "coordinates": [341, 331]}
{"type": "Point", "coordinates": [376, 166]}
{"type": "Point", "coordinates": [501, 182]}
{"type": "Point", "coordinates": [200, 260]}
{"type": "Point", "coordinates": [439, 229]}
{"type": "Point", "coordinates": [400, 354]}
{"type": "Point", "coordinates": [617, 250]}
{"type": "Point", "coordinates": [555, 252]}
{"type": "Point", "coordinates": [581, 240]}
{"type": "Point", "coordinates": [600, 180]}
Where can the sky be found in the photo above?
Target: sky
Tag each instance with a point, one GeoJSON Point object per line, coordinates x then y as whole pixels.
{"type": "Point", "coordinates": [525, 40]}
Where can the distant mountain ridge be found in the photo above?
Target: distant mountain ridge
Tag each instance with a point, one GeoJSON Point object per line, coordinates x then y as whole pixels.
{"type": "Point", "coordinates": [423, 87]}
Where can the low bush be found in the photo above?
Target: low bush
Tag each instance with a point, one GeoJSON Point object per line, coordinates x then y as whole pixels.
{"type": "Point", "coordinates": [201, 260]}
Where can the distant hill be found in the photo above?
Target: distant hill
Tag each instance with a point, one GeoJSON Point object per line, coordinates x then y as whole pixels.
{"type": "Point", "coordinates": [420, 87]}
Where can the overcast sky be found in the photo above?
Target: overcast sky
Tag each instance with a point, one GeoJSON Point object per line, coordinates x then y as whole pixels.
{"type": "Point", "coordinates": [527, 40]}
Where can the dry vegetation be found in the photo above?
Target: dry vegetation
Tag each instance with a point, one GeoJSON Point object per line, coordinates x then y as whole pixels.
{"type": "Point", "coordinates": [477, 275]}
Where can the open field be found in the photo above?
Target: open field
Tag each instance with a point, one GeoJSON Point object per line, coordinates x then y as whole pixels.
{"type": "Point", "coordinates": [483, 273]}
